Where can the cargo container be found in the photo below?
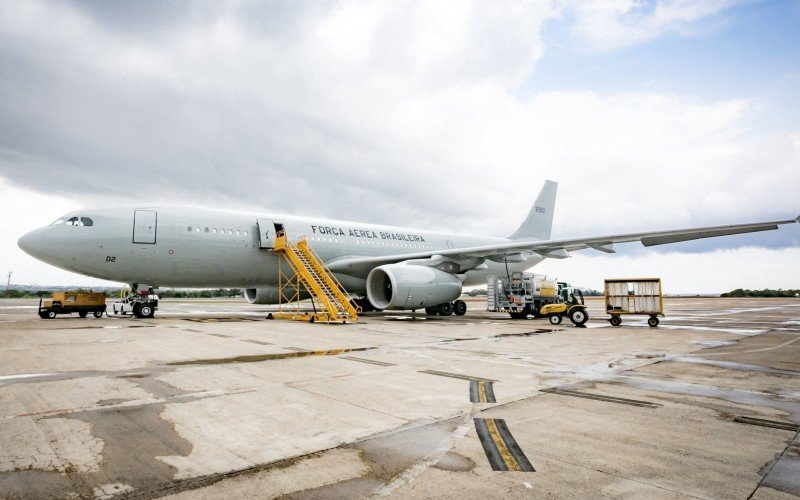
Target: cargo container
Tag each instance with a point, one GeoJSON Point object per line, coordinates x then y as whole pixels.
{"type": "Point", "coordinates": [641, 296]}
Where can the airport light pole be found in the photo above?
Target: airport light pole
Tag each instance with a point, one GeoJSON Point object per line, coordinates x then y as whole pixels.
{"type": "Point", "coordinates": [8, 283]}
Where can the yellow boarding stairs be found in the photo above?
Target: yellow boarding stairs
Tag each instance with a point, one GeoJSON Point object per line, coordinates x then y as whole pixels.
{"type": "Point", "coordinates": [310, 273]}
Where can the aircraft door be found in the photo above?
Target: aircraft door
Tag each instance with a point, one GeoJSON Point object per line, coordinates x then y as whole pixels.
{"type": "Point", "coordinates": [145, 226]}
{"type": "Point", "coordinates": [266, 232]}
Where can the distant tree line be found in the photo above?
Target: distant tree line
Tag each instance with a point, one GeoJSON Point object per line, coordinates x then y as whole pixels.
{"type": "Point", "coordinates": [23, 294]}
{"type": "Point", "coordinates": [767, 292]}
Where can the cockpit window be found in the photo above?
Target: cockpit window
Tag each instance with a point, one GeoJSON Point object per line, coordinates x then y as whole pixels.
{"type": "Point", "coordinates": [74, 221]}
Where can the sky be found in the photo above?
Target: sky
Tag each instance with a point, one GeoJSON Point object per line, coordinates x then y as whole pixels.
{"type": "Point", "coordinates": [435, 114]}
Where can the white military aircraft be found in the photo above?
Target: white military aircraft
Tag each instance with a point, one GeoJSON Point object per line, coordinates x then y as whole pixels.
{"type": "Point", "coordinates": [384, 267]}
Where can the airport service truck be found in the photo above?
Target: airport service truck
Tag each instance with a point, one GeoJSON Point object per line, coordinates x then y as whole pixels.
{"type": "Point", "coordinates": [525, 294]}
{"type": "Point", "coordinates": [141, 301]}
{"type": "Point", "coordinates": [82, 303]}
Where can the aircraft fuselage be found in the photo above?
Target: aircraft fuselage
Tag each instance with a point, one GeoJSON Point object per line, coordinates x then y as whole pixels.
{"type": "Point", "coordinates": [192, 247]}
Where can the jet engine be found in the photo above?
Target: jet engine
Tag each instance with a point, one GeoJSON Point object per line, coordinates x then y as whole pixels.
{"type": "Point", "coordinates": [400, 286]}
{"type": "Point", "coordinates": [268, 295]}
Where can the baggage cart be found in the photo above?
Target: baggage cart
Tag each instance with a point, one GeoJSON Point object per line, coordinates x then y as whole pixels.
{"type": "Point", "coordinates": [634, 296]}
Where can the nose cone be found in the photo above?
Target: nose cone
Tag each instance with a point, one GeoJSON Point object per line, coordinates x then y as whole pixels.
{"type": "Point", "coordinates": [32, 243]}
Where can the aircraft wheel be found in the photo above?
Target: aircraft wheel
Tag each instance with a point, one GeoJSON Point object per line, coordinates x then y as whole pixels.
{"type": "Point", "coordinates": [653, 321]}
{"type": "Point", "coordinates": [555, 319]}
{"type": "Point", "coordinates": [578, 316]}
{"type": "Point", "coordinates": [432, 311]}
{"type": "Point", "coordinates": [98, 314]}
{"type": "Point", "coordinates": [445, 308]}
{"type": "Point", "coordinates": [615, 321]}
{"type": "Point", "coordinates": [460, 307]}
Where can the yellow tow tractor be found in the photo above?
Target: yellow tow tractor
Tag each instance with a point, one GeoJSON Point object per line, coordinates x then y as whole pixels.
{"type": "Point", "coordinates": [82, 303]}
{"type": "Point", "coordinates": [523, 294]}
{"type": "Point", "coordinates": [572, 306]}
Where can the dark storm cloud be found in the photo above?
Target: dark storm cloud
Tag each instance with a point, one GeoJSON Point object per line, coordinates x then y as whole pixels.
{"type": "Point", "coordinates": [85, 128]}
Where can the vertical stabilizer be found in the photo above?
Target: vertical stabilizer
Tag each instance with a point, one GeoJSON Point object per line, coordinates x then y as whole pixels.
{"type": "Point", "coordinates": [539, 223]}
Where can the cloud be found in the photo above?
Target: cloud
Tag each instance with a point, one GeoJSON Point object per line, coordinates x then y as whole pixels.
{"type": "Point", "coordinates": [402, 113]}
{"type": "Point", "coordinates": [603, 25]}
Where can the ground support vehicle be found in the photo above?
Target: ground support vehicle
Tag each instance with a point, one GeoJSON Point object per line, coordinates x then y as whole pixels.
{"type": "Point", "coordinates": [82, 303]}
{"type": "Point", "coordinates": [523, 294]}
{"type": "Point", "coordinates": [574, 309]}
{"type": "Point", "coordinates": [140, 303]}
{"type": "Point", "coordinates": [641, 296]}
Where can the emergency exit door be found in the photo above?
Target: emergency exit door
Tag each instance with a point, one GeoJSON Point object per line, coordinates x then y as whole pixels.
{"type": "Point", "coordinates": [144, 226]}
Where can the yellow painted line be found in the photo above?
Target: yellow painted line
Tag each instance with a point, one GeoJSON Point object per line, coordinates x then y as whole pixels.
{"type": "Point", "coordinates": [482, 391]}
{"type": "Point", "coordinates": [501, 446]}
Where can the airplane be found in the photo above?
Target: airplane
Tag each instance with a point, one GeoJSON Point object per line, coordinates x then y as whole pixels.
{"type": "Point", "coordinates": [382, 267]}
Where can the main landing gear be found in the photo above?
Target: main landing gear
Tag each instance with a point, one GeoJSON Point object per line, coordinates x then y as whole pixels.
{"type": "Point", "coordinates": [457, 307]}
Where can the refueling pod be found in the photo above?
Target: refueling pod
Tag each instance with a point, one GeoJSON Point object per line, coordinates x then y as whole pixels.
{"type": "Point", "coordinates": [401, 286]}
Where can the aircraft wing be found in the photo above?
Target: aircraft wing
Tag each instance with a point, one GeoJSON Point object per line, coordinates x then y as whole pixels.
{"type": "Point", "coordinates": [361, 266]}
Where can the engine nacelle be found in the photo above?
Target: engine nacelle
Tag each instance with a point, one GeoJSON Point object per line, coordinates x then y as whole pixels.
{"type": "Point", "coordinates": [400, 286]}
{"type": "Point", "coordinates": [267, 295]}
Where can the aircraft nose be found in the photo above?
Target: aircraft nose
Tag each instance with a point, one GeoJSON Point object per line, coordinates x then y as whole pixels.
{"type": "Point", "coordinates": [32, 243]}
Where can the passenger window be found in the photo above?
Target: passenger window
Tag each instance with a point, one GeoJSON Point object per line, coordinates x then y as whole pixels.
{"type": "Point", "coordinates": [238, 232]}
{"type": "Point", "coordinates": [245, 233]}
{"type": "Point", "coordinates": [189, 228]}
{"type": "Point", "coordinates": [86, 221]}
{"type": "Point", "coordinates": [205, 229]}
{"type": "Point", "coordinates": [213, 230]}
{"type": "Point", "coordinates": [197, 229]}
{"type": "Point", "coordinates": [230, 232]}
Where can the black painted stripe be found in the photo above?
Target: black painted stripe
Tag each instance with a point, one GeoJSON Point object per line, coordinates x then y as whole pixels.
{"type": "Point", "coordinates": [490, 391]}
{"type": "Point", "coordinates": [601, 397]}
{"type": "Point", "coordinates": [454, 375]}
{"type": "Point", "coordinates": [775, 424]}
{"type": "Point", "coordinates": [474, 396]}
{"type": "Point", "coordinates": [492, 453]}
{"type": "Point", "coordinates": [370, 361]}
{"type": "Point", "coordinates": [513, 447]}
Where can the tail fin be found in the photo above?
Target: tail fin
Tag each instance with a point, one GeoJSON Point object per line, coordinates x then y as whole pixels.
{"type": "Point", "coordinates": [539, 222]}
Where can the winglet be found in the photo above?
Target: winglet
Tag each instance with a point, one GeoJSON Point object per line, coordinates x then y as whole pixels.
{"type": "Point", "coordinates": [539, 223]}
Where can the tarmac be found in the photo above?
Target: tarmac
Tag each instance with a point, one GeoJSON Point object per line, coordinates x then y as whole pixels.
{"type": "Point", "coordinates": [209, 399]}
